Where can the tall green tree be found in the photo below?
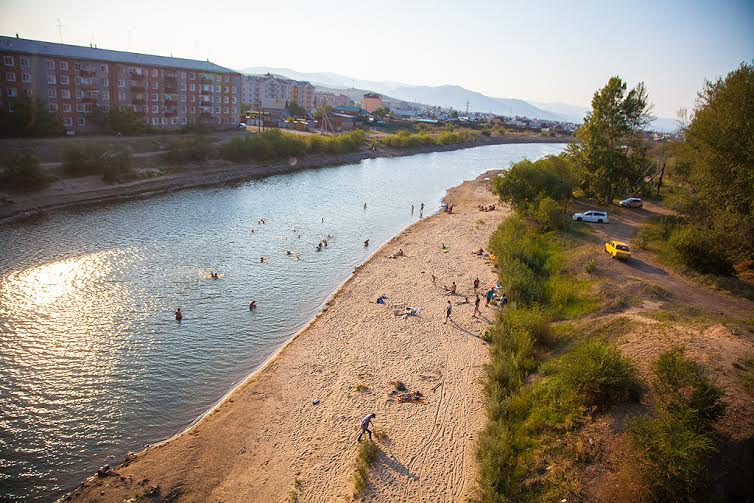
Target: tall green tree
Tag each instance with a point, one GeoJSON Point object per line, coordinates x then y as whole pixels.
{"type": "Point", "coordinates": [296, 110]}
{"type": "Point", "coordinates": [29, 117]}
{"type": "Point", "coordinates": [718, 148]}
{"type": "Point", "coordinates": [611, 151]}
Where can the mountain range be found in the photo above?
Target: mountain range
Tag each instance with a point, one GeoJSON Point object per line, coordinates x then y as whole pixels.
{"type": "Point", "coordinates": [447, 96]}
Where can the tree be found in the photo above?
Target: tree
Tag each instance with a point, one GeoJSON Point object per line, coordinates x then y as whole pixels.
{"type": "Point", "coordinates": [718, 148]}
{"type": "Point", "coordinates": [453, 114]}
{"type": "Point", "coordinates": [296, 110]}
{"type": "Point", "coordinates": [30, 117]}
{"type": "Point", "coordinates": [527, 182]}
{"type": "Point", "coordinates": [381, 112]}
{"type": "Point", "coordinates": [611, 151]}
{"type": "Point", "coordinates": [22, 172]}
{"type": "Point", "coordinates": [322, 110]}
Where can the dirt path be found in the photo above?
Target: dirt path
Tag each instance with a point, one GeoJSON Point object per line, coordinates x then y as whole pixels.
{"type": "Point", "coordinates": [644, 265]}
{"type": "Point", "coordinates": [269, 433]}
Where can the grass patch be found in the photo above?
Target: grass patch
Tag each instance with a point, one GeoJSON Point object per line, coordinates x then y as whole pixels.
{"type": "Point", "coordinates": [274, 144]}
{"type": "Point", "coordinates": [295, 491]}
{"type": "Point", "coordinates": [747, 375]}
{"type": "Point", "coordinates": [405, 139]}
{"type": "Point", "coordinates": [365, 456]}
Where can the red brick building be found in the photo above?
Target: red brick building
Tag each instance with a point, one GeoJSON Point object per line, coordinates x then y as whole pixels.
{"type": "Point", "coordinates": [77, 82]}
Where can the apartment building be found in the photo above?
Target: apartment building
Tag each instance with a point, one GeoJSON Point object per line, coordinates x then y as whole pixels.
{"type": "Point", "coordinates": [331, 99]}
{"type": "Point", "coordinates": [76, 82]}
{"type": "Point", "coordinates": [273, 92]}
{"type": "Point", "coordinates": [371, 102]}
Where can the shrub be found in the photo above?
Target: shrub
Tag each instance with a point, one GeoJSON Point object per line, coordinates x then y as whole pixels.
{"type": "Point", "coordinates": [550, 215]}
{"type": "Point", "coordinates": [274, 144]}
{"type": "Point", "coordinates": [702, 250]}
{"type": "Point", "coordinates": [113, 162]}
{"type": "Point", "coordinates": [599, 374]}
{"type": "Point", "coordinates": [22, 172]}
{"type": "Point", "coordinates": [365, 456]}
{"type": "Point", "coordinates": [194, 148]}
{"type": "Point", "coordinates": [526, 182]}
{"type": "Point", "coordinates": [116, 164]}
{"type": "Point", "coordinates": [590, 266]}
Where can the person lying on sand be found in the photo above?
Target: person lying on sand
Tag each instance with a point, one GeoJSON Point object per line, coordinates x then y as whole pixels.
{"type": "Point", "coordinates": [462, 302]}
{"type": "Point", "coordinates": [451, 290]}
{"type": "Point", "coordinates": [479, 252]}
{"type": "Point", "coordinates": [397, 254]}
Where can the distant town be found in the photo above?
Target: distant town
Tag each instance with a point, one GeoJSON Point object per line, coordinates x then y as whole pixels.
{"type": "Point", "coordinates": [77, 83]}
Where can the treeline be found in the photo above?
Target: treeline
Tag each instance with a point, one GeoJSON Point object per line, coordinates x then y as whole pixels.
{"type": "Point", "coordinates": [405, 139]}
{"type": "Point", "coordinates": [274, 144]}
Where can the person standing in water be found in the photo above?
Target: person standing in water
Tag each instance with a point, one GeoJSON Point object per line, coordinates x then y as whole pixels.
{"type": "Point", "coordinates": [366, 243]}
{"type": "Point", "coordinates": [421, 207]}
{"type": "Point", "coordinates": [365, 205]}
{"type": "Point", "coordinates": [178, 314]}
{"type": "Point", "coordinates": [412, 209]}
{"type": "Point", "coordinates": [252, 305]}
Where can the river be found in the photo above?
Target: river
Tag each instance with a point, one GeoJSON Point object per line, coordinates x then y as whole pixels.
{"type": "Point", "coordinates": [92, 361]}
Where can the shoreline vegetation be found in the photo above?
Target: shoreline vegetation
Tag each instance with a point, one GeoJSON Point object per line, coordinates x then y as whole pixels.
{"type": "Point", "coordinates": [187, 162]}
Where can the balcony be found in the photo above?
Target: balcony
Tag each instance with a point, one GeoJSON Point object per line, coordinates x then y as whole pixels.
{"type": "Point", "coordinates": [206, 81]}
{"type": "Point", "coordinates": [170, 89]}
{"type": "Point", "coordinates": [137, 89]}
{"type": "Point", "coordinates": [205, 103]}
{"type": "Point", "coordinates": [136, 76]}
{"type": "Point", "coordinates": [87, 73]}
{"type": "Point", "coordinates": [88, 99]}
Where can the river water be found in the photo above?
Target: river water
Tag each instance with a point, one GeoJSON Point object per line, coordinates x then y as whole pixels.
{"type": "Point", "coordinates": [92, 361]}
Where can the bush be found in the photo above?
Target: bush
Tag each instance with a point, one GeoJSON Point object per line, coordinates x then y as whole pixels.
{"type": "Point", "coordinates": [526, 183]}
{"type": "Point", "coordinates": [113, 162]}
{"type": "Point", "coordinates": [702, 250]}
{"type": "Point", "coordinates": [274, 144]}
{"type": "Point", "coordinates": [195, 148]}
{"type": "Point", "coordinates": [550, 215]}
{"type": "Point", "coordinates": [22, 172]}
{"type": "Point", "coordinates": [670, 450]}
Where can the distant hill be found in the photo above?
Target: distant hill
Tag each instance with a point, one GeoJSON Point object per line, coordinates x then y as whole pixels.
{"type": "Point", "coordinates": [444, 96]}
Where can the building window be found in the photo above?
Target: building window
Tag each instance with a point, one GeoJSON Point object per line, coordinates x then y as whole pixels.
{"type": "Point", "coordinates": [10, 76]}
{"type": "Point", "coordinates": [8, 61]}
{"type": "Point", "coordinates": [192, 87]}
{"type": "Point", "coordinates": [183, 86]}
{"type": "Point", "coordinates": [215, 110]}
{"type": "Point", "coordinates": [25, 61]}
{"type": "Point", "coordinates": [105, 82]}
{"type": "Point", "coordinates": [52, 107]}
{"type": "Point", "coordinates": [226, 100]}
{"type": "Point", "coordinates": [64, 65]}
{"type": "Point", "coordinates": [79, 94]}
{"type": "Point", "coordinates": [217, 89]}
{"type": "Point", "coordinates": [164, 121]}
{"type": "Point", "coordinates": [155, 97]}
{"type": "Point", "coordinates": [183, 109]}
{"type": "Point", "coordinates": [82, 121]}
{"type": "Point", "coordinates": [225, 89]}
{"type": "Point", "coordinates": [155, 109]}
{"type": "Point", "coordinates": [27, 92]}
{"type": "Point", "coordinates": [67, 121]}
{"type": "Point", "coordinates": [183, 98]}
{"type": "Point", "coordinates": [11, 107]}
{"type": "Point", "coordinates": [155, 85]}
{"type": "Point", "coordinates": [106, 95]}
{"type": "Point", "coordinates": [50, 64]}
{"type": "Point", "coordinates": [122, 96]}
{"type": "Point", "coordinates": [191, 76]}
{"type": "Point", "coordinates": [76, 66]}
{"type": "Point", "coordinates": [227, 110]}
{"type": "Point", "coordinates": [12, 92]}
{"type": "Point", "coordinates": [51, 78]}
{"type": "Point", "coordinates": [80, 107]}
{"type": "Point", "coordinates": [67, 107]}
{"type": "Point", "coordinates": [121, 83]}
{"type": "Point", "coordinates": [103, 68]}
{"type": "Point", "coordinates": [193, 98]}
{"type": "Point", "coordinates": [227, 78]}
{"type": "Point", "coordinates": [65, 94]}
{"type": "Point", "coordinates": [234, 100]}
{"type": "Point", "coordinates": [51, 93]}
{"type": "Point", "coordinates": [155, 121]}
{"type": "Point", "coordinates": [235, 89]}
{"type": "Point", "coordinates": [64, 80]}
{"type": "Point", "coordinates": [193, 110]}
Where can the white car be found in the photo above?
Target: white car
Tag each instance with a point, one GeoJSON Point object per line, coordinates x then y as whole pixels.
{"type": "Point", "coordinates": [599, 217]}
{"type": "Point", "coordinates": [632, 202]}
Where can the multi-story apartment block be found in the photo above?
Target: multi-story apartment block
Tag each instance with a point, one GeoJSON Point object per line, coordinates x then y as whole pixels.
{"type": "Point", "coordinates": [334, 100]}
{"type": "Point", "coordinates": [270, 91]}
{"type": "Point", "coordinates": [77, 82]}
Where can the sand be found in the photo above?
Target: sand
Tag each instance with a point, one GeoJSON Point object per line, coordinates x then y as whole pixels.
{"type": "Point", "coordinates": [267, 435]}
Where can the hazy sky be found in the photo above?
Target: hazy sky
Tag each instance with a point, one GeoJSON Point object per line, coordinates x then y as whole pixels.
{"type": "Point", "coordinates": [547, 51]}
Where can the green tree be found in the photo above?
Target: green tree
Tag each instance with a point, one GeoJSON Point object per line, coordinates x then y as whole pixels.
{"type": "Point", "coordinates": [381, 112]}
{"type": "Point", "coordinates": [527, 182]}
{"type": "Point", "coordinates": [718, 150]}
{"type": "Point", "coordinates": [611, 151]}
{"type": "Point", "coordinates": [30, 117]}
{"type": "Point", "coordinates": [296, 110]}
{"type": "Point", "coordinates": [322, 110]}
{"type": "Point", "coordinates": [22, 172]}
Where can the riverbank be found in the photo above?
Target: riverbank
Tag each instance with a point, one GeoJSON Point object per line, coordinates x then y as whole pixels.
{"type": "Point", "coordinates": [268, 437]}
{"type": "Point", "coordinates": [91, 190]}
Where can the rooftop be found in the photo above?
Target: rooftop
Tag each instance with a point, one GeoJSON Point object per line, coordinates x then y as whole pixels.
{"type": "Point", "coordinates": [41, 48]}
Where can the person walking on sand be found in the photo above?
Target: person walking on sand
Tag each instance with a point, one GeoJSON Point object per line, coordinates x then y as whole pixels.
{"type": "Point", "coordinates": [476, 284]}
{"type": "Point", "coordinates": [476, 306]}
{"type": "Point", "coordinates": [421, 207]}
{"type": "Point", "coordinates": [448, 312]}
{"type": "Point", "coordinates": [490, 294]}
{"type": "Point", "coordinates": [365, 426]}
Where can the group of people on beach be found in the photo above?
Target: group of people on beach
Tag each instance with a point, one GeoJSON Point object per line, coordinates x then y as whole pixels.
{"type": "Point", "coordinates": [482, 207]}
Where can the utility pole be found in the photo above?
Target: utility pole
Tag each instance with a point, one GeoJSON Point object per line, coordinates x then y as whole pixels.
{"type": "Point", "coordinates": [662, 171]}
{"type": "Point", "coordinates": [467, 109]}
{"type": "Point", "coordinates": [60, 30]}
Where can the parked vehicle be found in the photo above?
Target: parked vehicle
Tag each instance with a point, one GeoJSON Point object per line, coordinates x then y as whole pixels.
{"type": "Point", "coordinates": [242, 125]}
{"type": "Point", "coordinates": [618, 249]}
{"type": "Point", "coordinates": [599, 217]}
{"type": "Point", "coordinates": [632, 202]}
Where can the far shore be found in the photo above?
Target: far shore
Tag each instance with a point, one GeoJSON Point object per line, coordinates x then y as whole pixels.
{"type": "Point", "coordinates": [91, 190]}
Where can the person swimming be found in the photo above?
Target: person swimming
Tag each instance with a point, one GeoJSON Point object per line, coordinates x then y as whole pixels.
{"type": "Point", "coordinates": [366, 243]}
{"type": "Point", "coordinates": [252, 305]}
{"type": "Point", "coordinates": [214, 275]}
{"type": "Point", "coordinates": [178, 314]}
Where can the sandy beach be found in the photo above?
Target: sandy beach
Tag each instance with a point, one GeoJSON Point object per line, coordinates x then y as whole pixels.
{"type": "Point", "coordinates": [289, 431]}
